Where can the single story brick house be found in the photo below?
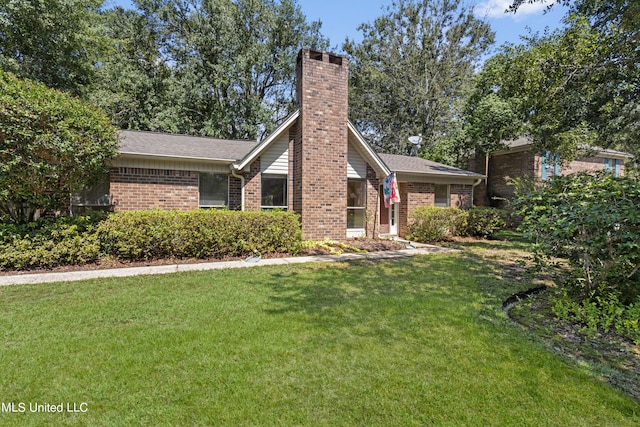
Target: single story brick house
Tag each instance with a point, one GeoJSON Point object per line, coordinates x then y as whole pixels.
{"type": "Point", "coordinates": [519, 160]}
{"type": "Point", "coordinates": [315, 163]}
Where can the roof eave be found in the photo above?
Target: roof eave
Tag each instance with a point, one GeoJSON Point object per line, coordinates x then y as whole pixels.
{"type": "Point", "coordinates": [441, 175]}
{"type": "Point", "coordinates": [173, 157]}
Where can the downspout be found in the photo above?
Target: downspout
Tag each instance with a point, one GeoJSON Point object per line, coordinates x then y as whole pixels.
{"type": "Point", "coordinates": [241, 178]}
{"type": "Point", "coordinates": [473, 187]}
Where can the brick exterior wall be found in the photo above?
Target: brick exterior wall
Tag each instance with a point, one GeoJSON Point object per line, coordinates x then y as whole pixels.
{"type": "Point", "coordinates": [295, 166]}
{"type": "Point", "coordinates": [478, 164]}
{"type": "Point", "coordinates": [589, 164]}
{"type": "Point", "coordinates": [525, 163]}
{"type": "Point", "coordinates": [137, 188]}
{"type": "Point", "coordinates": [414, 195]}
{"type": "Point", "coordinates": [505, 166]}
{"type": "Point", "coordinates": [461, 196]}
{"type": "Point", "coordinates": [235, 193]}
{"type": "Point", "coordinates": [417, 195]}
{"type": "Point", "coordinates": [322, 93]}
{"type": "Point", "coordinates": [373, 212]}
{"type": "Point", "coordinates": [253, 187]}
{"type": "Point", "coordinates": [403, 189]}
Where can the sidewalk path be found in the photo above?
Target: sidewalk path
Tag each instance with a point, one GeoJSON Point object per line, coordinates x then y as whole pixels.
{"type": "Point", "coordinates": [23, 279]}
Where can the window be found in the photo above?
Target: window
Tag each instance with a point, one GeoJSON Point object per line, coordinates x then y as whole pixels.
{"type": "Point", "coordinates": [441, 198]}
{"type": "Point", "coordinates": [356, 204]}
{"type": "Point", "coordinates": [550, 165]}
{"type": "Point", "coordinates": [96, 196]}
{"type": "Point", "coordinates": [214, 190]}
{"type": "Point", "coordinates": [609, 165]}
{"type": "Point", "coordinates": [274, 192]}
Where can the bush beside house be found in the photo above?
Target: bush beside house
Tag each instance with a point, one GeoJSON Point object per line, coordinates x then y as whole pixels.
{"type": "Point", "coordinates": [432, 224]}
{"type": "Point", "coordinates": [142, 235]}
{"type": "Point", "coordinates": [145, 235]}
{"type": "Point", "coordinates": [592, 222]}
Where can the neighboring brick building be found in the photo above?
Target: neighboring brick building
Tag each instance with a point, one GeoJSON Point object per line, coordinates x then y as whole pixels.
{"type": "Point", "coordinates": [518, 160]}
{"type": "Point", "coordinates": [315, 163]}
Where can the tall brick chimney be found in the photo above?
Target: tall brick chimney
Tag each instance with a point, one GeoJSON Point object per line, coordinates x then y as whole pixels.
{"type": "Point", "coordinates": [321, 145]}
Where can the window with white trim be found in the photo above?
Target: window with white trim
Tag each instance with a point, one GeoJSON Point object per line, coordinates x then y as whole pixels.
{"type": "Point", "coordinates": [356, 204]}
{"type": "Point", "coordinates": [214, 190]}
{"type": "Point", "coordinates": [274, 192]}
{"type": "Point", "coordinates": [441, 195]}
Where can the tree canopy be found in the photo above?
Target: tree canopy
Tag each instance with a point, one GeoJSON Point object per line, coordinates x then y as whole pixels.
{"type": "Point", "coordinates": [56, 42]}
{"type": "Point", "coordinates": [222, 68]}
{"type": "Point", "coordinates": [576, 86]}
{"type": "Point", "coordinates": [412, 70]}
{"type": "Point", "coordinates": [51, 144]}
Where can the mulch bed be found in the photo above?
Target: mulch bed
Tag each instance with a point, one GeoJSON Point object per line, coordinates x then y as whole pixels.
{"type": "Point", "coordinates": [369, 245]}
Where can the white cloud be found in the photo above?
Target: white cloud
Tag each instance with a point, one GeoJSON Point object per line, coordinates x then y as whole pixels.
{"type": "Point", "coordinates": [496, 9]}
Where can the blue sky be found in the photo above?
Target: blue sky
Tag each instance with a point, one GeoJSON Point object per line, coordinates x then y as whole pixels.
{"type": "Point", "coordinates": [341, 18]}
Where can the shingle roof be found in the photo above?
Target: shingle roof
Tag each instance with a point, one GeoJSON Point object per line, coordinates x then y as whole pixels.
{"type": "Point", "coordinates": [397, 163]}
{"type": "Point", "coordinates": [183, 146]}
{"type": "Point", "coordinates": [196, 147]}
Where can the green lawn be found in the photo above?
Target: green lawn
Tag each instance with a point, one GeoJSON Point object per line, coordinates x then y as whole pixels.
{"type": "Point", "coordinates": [420, 341]}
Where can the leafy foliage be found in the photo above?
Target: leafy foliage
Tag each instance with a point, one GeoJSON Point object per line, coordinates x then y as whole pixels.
{"type": "Point", "coordinates": [142, 235]}
{"type": "Point", "coordinates": [56, 42]}
{"type": "Point", "coordinates": [332, 246]}
{"type": "Point", "coordinates": [49, 243]}
{"type": "Point", "coordinates": [411, 71]}
{"type": "Point", "coordinates": [593, 221]}
{"type": "Point", "coordinates": [482, 222]}
{"type": "Point", "coordinates": [51, 145]}
{"type": "Point", "coordinates": [231, 63]}
{"type": "Point", "coordinates": [433, 224]}
{"type": "Point", "coordinates": [574, 87]}
{"type": "Point", "coordinates": [601, 311]}
{"type": "Point", "coordinates": [145, 235]}
{"type": "Point", "coordinates": [133, 82]}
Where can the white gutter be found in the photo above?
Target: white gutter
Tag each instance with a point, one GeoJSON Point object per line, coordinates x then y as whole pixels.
{"type": "Point", "coordinates": [235, 175]}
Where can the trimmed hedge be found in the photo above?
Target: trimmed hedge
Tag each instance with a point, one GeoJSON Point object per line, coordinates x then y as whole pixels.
{"type": "Point", "coordinates": [432, 224]}
{"type": "Point", "coordinates": [143, 235]}
{"type": "Point", "coordinates": [483, 222]}
{"type": "Point", "coordinates": [50, 243]}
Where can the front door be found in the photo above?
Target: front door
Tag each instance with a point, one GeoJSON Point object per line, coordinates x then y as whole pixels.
{"type": "Point", "coordinates": [388, 217]}
{"type": "Point", "coordinates": [393, 219]}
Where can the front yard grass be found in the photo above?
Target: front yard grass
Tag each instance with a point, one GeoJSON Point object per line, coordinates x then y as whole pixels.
{"type": "Point", "coordinates": [419, 341]}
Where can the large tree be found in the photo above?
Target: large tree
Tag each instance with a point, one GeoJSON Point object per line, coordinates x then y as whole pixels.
{"type": "Point", "coordinates": [575, 86]}
{"type": "Point", "coordinates": [56, 42]}
{"type": "Point", "coordinates": [233, 63]}
{"type": "Point", "coordinates": [411, 71]}
{"type": "Point", "coordinates": [133, 81]}
{"type": "Point", "coordinates": [51, 144]}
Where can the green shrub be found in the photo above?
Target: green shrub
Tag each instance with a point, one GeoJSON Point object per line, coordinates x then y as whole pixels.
{"type": "Point", "coordinates": [601, 311]}
{"type": "Point", "coordinates": [433, 224]}
{"type": "Point", "coordinates": [143, 235]}
{"type": "Point", "coordinates": [593, 222]}
{"type": "Point", "coordinates": [49, 242]}
{"type": "Point", "coordinates": [482, 222]}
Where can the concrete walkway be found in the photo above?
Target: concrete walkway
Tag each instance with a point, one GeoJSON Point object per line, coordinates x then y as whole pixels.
{"type": "Point", "coordinates": [23, 279]}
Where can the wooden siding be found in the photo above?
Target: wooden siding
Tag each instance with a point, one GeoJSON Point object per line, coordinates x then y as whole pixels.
{"type": "Point", "coordinates": [275, 159]}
